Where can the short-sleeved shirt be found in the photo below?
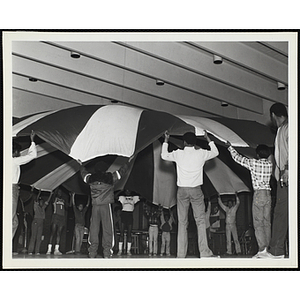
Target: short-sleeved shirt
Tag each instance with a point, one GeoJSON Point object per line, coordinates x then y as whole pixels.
{"type": "Point", "coordinates": [128, 202]}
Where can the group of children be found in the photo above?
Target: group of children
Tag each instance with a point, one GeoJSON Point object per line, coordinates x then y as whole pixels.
{"type": "Point", "coordinates": [157, 219]}
{"type": "Point", "coordinates": [260, 169]}
{"type": "Point", "coordinates": [156, 216]}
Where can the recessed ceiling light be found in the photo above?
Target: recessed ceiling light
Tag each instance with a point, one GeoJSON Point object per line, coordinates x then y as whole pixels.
{"type": "Point", "coordinates": [218, 59]}
{"type": "Point", "coordinates": [224, 104]}
{"type": "Point", "coordinates": [75, 54]}
{"type": "Point", "coordinates": [159, 82]}
{"type": "Point", "coordinates": [280, 86]}
{"type": "Point", "coordinates": [32, 79]}
{"type": "Point", "coordinates": [114, 101]}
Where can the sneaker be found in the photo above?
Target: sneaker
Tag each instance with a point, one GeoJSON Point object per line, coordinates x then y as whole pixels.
{"type": "Point", "coordinates": [154, 254]}
{"type": "Point", "coordinates": [211, 256]}
{"type": "Point", "coordinates": [266, 254]}
{"type": "Point", "coordinates": [38, 253]}
{"type": "Point", "coordinates": [260, 254]}
{"type": "Point", "coordinates": [57, 252]}
{"type": "Point", "coordinates": [48, 253]}
{"type": "Point", "coordinates": [274, 256]}
{"type": "Point", "coordinates": [30, 253]}
{"type": "Point", "coordinates": [150, 254]}
{"type": "Point", "coordinates": [129, 253]}
{"type": "Point", "coordinates": [256, 255]}
{"type": "Point", "coordinates": [161, 254]}
{"type": "Point", "coordinates": [92, 255]}
{"type": "Point", "coordinates": [119, 253]}
{"type": "Point", "coordinates": [168, 254]}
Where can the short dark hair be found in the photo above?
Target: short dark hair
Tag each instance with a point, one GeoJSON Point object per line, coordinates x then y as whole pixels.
{"type": "Point", "coordinates": [101, 166]}
{"type": "Point", "coordinates": [263, 151]}
{"type": "Point", "coordinates": [190, 138]}
{"type": "Point", "coordinates": [279, 110]}
{"type": "Point", "coordinates": [16, 147]}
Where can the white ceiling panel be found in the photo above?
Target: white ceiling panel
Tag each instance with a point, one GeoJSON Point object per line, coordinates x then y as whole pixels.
{"type": "Point", "coordinates": [126, 72]}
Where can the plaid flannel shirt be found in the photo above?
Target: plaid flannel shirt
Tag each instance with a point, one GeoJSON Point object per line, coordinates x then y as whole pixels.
{"type": "Point", "coordinates": [260, 169]}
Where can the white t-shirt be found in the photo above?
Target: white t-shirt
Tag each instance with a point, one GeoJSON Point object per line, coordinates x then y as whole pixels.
{"type": "Point", "coordinates": [189, 163]}
{"type": "Point", "coordinates": [22, 160]}
{"type": "Point", "coordinates": [128, 202]}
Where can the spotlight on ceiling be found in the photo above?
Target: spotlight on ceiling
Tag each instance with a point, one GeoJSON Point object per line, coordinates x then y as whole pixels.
{"type": "Point", "coordinates": [218, 59]}
{"type": "Point", "coordinates": [32, 79]}
{"type": "Point", "coordinates": [224, 104]}
{"type": "Point", "coordinates": [280, 86]}
{"type": "Point", "coordinates": [159, 82]}
{"type": "Point", "coordinates": [75, 54]}
{"type": "Point", "coordinates": [114, 101]}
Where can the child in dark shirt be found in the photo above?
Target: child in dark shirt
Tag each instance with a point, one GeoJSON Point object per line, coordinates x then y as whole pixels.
{"type": "Point", "coordinates": [79, 213]}
{"type": "Point", "coordinates": [58, 221]}
{"type": "Point", "coordinates": [37, 225]}
{"type": "Point", "coordinates": [152, 213]}
{"type": "Point", "coordinates": [166, 227]}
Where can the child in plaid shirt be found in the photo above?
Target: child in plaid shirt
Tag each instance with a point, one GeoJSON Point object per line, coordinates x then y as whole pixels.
{"type": "Point", "coordinates": [261, 171]}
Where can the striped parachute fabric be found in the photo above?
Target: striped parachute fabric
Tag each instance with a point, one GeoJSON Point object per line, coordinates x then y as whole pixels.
{"type": "Point", "coordinates": [240, 133]}
{"type": "Point", "coordinates": [86, 132]}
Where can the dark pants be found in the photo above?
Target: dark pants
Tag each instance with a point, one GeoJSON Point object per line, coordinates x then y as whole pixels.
{"type": "Point", "coordinates": [79, 233]}
{"type": "Point", "coordinates": [280, 222]}
{"type": "Point", "coordinates": [36, 235]}
{"type": "Point", "coordinates": [103, 214]}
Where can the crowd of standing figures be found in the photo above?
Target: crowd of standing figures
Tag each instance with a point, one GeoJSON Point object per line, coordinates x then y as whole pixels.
{"type": "Point", "coordinates": [270, 235]}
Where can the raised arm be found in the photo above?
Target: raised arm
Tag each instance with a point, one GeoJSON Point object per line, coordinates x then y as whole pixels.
{"type": "Point", "coordinates": [117, 175]}
{"type": "Point", "coordinates": [237, 200]}
{"type": "Point", "coordinates": [224, 207]}
{"type": "Point", "coordinates": [88, 202]}
{"type": "Point", "coordinates": [31, 154]}
{"type": "Point", "coordinates": [165, 154]}
{"type": "Point", "coordinates": [214, 152]}
{"type": "Point", "coordinates": [237, 157]}
{"type": "Point", "coordinates": [209, 207]}
{"type": "Point", "coordinates": [162, 218]}
{"type": "Point", "coordinates": [72, 197]}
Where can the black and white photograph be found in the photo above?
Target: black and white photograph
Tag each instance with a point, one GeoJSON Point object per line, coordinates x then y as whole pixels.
{"type": "Point", "coordinates": [150, 150]}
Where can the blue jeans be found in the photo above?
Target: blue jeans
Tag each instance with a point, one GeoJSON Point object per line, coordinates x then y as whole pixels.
{"type": "Point", "coordinates": [280, 222]}
{"type": "Point", "coordinates": [195, 197]}
{"type": "Point", "coordinates": [261, 211]}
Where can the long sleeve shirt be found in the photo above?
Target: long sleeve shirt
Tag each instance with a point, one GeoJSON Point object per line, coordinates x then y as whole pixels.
{"type": "Point", "coordinates": [260, 169]}
{"type": "Point", "coordinates": [39, 211]}
{"type": "Point", "coordinates": [281, 149]}
{"type": "Point", "coordinates": [102, 184]}
{"type": "Point", "coordinates": [22, 160]}
{"type": "Point", "coordinates": [189, 163]}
